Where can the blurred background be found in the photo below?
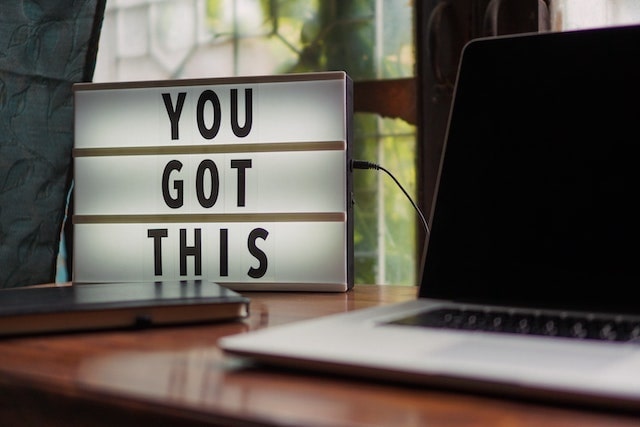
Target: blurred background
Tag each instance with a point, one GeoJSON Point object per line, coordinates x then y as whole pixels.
{"type": "Point", "coordinates": [401, 54]}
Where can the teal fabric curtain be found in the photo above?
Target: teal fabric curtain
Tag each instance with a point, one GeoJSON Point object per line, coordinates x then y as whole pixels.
{"type": "Point", "coordinates": [45, 47]}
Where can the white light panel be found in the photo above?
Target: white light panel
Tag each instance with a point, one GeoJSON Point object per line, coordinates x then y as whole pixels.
{"type": "Point", "coordinates": [243, 181]}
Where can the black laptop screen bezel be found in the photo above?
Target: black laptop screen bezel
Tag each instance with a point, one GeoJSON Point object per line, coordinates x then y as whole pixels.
{"type": "Point", "coordinates": [535, 201]}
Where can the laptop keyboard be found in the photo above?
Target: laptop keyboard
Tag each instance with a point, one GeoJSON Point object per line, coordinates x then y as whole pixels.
{"type": "Point", "coordinates": [566, 326]}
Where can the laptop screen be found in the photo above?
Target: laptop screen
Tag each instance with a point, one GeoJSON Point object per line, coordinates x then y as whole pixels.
{"type": "Point", "coordinates": [538, 192]}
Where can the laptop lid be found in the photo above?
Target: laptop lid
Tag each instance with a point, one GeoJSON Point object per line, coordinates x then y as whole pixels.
{"type": "Point", "coordinates": [538, 185]}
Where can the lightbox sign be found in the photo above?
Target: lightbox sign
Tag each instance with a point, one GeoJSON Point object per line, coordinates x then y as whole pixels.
{"type": "Point", "coordinates": [243, 181]}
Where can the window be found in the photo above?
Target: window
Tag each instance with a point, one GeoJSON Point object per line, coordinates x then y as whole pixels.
{"type": "Point", "coordinates": [579, 14]}
{"type": "Point", "coordinates": [369, 39]}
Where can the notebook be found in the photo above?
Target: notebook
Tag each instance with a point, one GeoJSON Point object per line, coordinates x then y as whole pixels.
{"type": "Point", "coordinates": [534, 237]}
{"type": "Point", "coordinates": [54, 309]}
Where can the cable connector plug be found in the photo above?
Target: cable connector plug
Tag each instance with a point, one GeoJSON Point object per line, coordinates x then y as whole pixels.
{"type": "Point", "coordinates": [363, 164]}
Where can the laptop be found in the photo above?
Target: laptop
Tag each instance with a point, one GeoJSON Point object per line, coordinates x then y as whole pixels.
{"type": "Point", "coordinates": [529, 277]}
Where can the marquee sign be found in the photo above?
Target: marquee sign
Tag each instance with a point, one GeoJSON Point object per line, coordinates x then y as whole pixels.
{"type": "Point", "coordinates": [242, 181]}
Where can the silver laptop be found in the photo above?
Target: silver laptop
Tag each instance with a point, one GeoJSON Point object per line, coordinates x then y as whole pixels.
{"type": "Point", "coordinates": [532, 267]}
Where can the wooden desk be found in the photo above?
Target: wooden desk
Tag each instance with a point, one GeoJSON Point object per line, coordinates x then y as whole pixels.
{"type": "Point", "coordinates": [170, 376]}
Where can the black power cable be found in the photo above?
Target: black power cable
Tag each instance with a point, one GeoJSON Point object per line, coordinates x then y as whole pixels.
{"type": "Point", "coordinates": [362, 164]}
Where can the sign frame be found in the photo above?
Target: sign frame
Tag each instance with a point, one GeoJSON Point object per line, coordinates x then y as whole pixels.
{"type": "Point", "coordinates": [88, 153]}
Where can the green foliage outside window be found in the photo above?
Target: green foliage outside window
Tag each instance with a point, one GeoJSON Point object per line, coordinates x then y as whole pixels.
{"type": "Point", "coordinates": [369, 40]}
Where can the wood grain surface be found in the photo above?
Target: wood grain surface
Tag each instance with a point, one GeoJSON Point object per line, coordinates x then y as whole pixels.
{"type": "Point", "coordinates": [178, 376]}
